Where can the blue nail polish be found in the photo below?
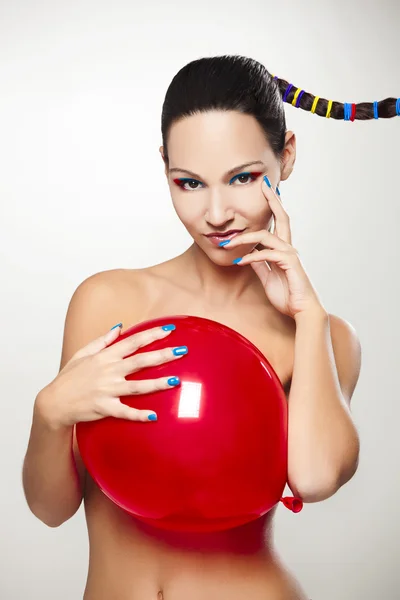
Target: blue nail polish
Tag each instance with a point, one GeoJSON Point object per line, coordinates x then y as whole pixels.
{"type": "Point", "coordinates": [224, 242]}
{"type": "Point", "coordinates": [180, 350]}
{"type": "Point", "coordinates": [237, 260]}
{"type": "Point", "coordinates": [267, 181]}
{"type": "Point", "coordinates": [152, 417]}
{"type": "Point", "coordinates": [168, 327]}
{"type": "Point", "coordinates": [117, 325]}
{"type": "Point", "coordinates": [173, 381]}
{"type": "Point", "coordinates": [277, 191]}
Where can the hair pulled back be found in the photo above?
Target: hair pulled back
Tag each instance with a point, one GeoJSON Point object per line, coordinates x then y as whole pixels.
{"type": "Point", "coordinates": [238, 83]}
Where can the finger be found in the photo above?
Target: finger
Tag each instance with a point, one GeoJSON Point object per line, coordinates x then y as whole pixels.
{"type": "Point", "coordinates": [149, 359]}
{"type": "Point", "coordinates": [99, 343]}
{"type": "Point", "coordinates": [282, 220]}
{"type": "Point", "coordinates": [272, 256]}
{"type": "Point", "coordinates": [146, 386]}
{"type": "Point", "coordinates": [132, 343]}
{"type": "Point", "coordinates": [263, 237]}
{"type": "Point", "coordinates": [115, 408]}
{"type": "Point", "coordinates": [261, 268]}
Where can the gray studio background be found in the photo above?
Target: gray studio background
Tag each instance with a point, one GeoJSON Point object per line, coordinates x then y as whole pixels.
{"type": "Point", "coordinates": [82, 190]}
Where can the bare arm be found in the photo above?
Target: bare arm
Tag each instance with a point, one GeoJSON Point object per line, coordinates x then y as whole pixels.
{"type": "Point", "coordinates": [53, 485]}
{"type": "Point", "coordinates": [323, 440]}
{"type": "Point", "coordinates": [53, 473]}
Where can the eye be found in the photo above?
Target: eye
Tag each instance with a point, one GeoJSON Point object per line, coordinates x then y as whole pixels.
{"type": "Point", "coordinates": [194, 184]}
{"type": "Point", "coordinates": [241, 176]}
{"type": "Point", "coordinates": [182, 181]}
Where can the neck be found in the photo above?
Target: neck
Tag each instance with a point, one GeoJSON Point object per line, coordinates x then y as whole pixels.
{"type": "Point", "coordinates": [219, 286]}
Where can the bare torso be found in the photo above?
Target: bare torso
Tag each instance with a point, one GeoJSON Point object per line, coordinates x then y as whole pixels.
{"type": "Point", "coordinates": [130, 561]}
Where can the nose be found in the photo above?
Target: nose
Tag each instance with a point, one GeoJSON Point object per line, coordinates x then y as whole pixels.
{"type": "Point", "coordinates": [218, 211]}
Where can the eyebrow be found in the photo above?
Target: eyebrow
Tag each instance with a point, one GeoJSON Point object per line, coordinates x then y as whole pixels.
{"type": "Point", "coordinates": [239, 167]}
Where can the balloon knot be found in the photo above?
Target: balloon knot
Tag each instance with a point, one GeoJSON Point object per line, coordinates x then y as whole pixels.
{"type": "Point", "coordinates": [292, 503]}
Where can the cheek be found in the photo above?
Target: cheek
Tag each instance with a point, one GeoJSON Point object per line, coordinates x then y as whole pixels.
{"type": "Point", "coordinates": [186, 210]}
{"type": "Point", "coordinates": [258, 210]}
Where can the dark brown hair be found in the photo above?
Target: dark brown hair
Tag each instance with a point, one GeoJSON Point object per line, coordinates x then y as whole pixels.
{"type": "Point", "coordinates": [238, 83]}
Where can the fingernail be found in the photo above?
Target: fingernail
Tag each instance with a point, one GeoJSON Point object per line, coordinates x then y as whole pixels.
{"type": "Point", "coordinates": [237, 260]}
{"type": "Point", "coordinates": [152, 417]}
{"type": "Point", "coordinates": [224, 242]}
{"type": "Point", "coordinates": [267, 181]}
{"type": "Point", "coordinates": [173, 381]}
{"type": "Point", "coordinates": [117, 325]}
{"type": "Point", "coordinates": [168, 327]}
{"type": "Point", "coordinates": [277, 191]}
{"type": "Point", "coordinates": [180, 350]}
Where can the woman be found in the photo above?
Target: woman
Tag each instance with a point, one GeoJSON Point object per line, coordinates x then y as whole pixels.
{"type": "Point", "coordinates": [225, 152]}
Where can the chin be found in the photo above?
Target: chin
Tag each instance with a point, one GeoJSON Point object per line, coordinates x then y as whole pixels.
{"type": "Point", "coordinates": [221, 261]}
{"type": "Point", "coordinates": [217, 255]}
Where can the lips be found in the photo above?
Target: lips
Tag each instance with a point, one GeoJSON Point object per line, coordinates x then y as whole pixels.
{"type": "Point", "coordinates": [224, 235]}
{"type": "Point", "coordinates": [216, 238]}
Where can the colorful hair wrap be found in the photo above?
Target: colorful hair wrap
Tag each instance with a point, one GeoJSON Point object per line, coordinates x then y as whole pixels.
{"type": "Point", "coordinates": [314, 106]}
{"type": "Point", "coordinates": [349, 108]}
{"type": "Point", "coordinates": [289, 87]}
{"type": "Point", "coordinates": [349, 111]}
{"type": "Point", "coordinates": [297, 98]}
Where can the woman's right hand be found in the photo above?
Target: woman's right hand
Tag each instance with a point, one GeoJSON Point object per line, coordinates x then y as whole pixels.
{"type": "Point", "coordinates": [91, 383]}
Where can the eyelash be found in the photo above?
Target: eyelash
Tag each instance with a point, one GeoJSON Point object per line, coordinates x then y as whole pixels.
{"type": "Point", "coordinates": [183, 180]}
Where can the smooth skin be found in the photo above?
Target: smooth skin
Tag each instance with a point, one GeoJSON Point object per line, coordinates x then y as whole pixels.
{"type": "Point", "coordinates": [273, 304]}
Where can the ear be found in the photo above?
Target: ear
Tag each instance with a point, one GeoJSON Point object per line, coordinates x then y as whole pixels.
{"type": "Point", "coordinates": [161, 150]}
{"type": "Point", "coordinates": [288, 156]}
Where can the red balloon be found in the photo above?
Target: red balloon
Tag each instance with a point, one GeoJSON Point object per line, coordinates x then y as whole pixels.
{"type": "Point", "coordinates": [217, 456]}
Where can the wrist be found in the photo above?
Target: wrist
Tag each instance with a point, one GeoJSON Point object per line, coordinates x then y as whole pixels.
{"type": "Point", "coordinates": [316, 312]}
{"type": "Point", "coordinates": [45, 411]}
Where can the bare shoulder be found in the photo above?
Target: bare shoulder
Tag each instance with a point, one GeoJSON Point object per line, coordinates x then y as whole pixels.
{"type": "Point", "coordinates": [344, 333]}
{"type": "Point", "coordinates": [97, 299]}
{"type": "Point", "coordinates": [347, 351]}
{"type": "Point", "coordinates": [108, 283]}
{"type": "Point", "coordinates": [89, 312]}
{"type": "Point", "coordinates": [101, 301]}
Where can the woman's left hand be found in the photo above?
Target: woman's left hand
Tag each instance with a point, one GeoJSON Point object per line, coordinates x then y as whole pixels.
{"type": "Point", "coordinates": [278, 266]}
